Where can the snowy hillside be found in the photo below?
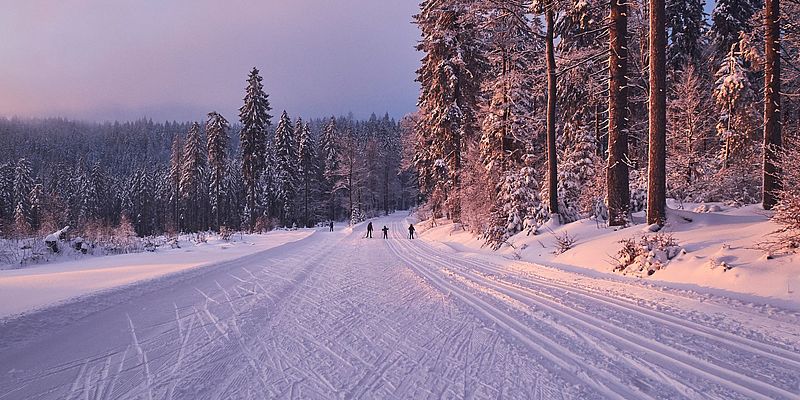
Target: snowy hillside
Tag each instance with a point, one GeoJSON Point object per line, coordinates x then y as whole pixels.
{"type": "Point", "coordinates": [725, 251]}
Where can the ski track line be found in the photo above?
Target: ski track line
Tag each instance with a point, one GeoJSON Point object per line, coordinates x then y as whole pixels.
{"type": "Point", "coordinates": [659, 353]}
{"type": "Point", "coordinates": [554, 352]}
{"type": "Point", "coordinates": [743, 344]}
{"type": "Point", "coordinates": [751, 377]}
{"type": "Point", "coordinates": [764, 349]}
{"type": "Point", "coordinates": [160, 339]}
{"type": "Point", "coordinates": [663, 353]}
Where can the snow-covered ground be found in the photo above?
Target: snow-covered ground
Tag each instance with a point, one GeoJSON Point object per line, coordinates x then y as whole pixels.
{"type": "Point", "coordinates": [737, 237]}
{"type": "Point", "coordinates": [334, 315]}
{"type": "Point", "coordinates": [36, 286]}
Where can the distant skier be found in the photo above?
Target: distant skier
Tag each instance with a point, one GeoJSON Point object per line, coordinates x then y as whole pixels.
{"type": "Point", "coordinates": [369, 230]}
{"type": "Point", "coordinates": [331, 225]}
{"type": "Point", "coordinates": [411, 231]}
{"type": "Point", "coordinates": [385, 232]}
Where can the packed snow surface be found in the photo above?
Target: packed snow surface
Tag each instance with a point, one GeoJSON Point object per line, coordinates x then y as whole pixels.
{"type": "Point", "coordinates": [335, 315]}
{"type": "Point", "coordinates": [35, 286]}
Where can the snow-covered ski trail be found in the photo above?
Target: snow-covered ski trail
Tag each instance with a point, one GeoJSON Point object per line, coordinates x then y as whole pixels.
{"type": "Point", "coordinates": [657, 353]}
{"type": "Point", "coordinates": [335, 315]}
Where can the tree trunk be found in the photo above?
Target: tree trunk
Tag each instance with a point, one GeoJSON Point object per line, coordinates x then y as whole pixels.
{"type": "Point", "coordinates": [657, 174]}
{"type": "Point", "coordinates": [552, 161]}
{"type": "Point", "coordinates": [617, 166]}
{"type": "Point", "coordinates": [772, 102]}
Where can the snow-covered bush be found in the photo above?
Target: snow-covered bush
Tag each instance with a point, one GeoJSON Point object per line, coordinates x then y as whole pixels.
{"type": "Point", "coordinates": [648, 254]}
{"type": "Point", "coordinates": [565, 242]}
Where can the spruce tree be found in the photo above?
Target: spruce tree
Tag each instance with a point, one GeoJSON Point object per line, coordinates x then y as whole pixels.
{"type": "Point", "coordinates": [192, 179]}
{"type": "Point", "coordinates": [175, 173]}
{"type": "Point", "coordinates": [308, 171]}
{"type": "Point", "coordinates": [286, 168]}
{"type": "Point", "coordinates": [450, 76]}
{"type": "Point", "coordinates": [217, 133]}
{"type": "Point", "coordinates": [730, 18]}
{"type": "Point", "coordinates": [329, 150]}
{"type": "Point", "coordinates": [686, 27]}
{"type": "Point", "coordinates": [23, 184]}
{"type": "Point", "coordinates": [255, 120]}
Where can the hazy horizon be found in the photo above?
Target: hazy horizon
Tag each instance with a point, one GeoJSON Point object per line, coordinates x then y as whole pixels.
{"type": "Point", "coordinates": [96, 61]}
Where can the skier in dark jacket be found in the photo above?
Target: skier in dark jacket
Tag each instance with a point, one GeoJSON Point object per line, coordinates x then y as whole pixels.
{"type": "Point", "coordinates": [369, 230]}
{"type": "Point", "coordinates": [411, 231]}
{"type": "Point", "coordinates": [385, 232]}
{"type": "Point", "coordinates": [331, 225]}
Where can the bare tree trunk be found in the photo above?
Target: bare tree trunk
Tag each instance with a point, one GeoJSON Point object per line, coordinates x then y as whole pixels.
{"type": "Point", "coordinates": [617, 166]}
{"type": "Point", "coordinates": [657, 174]}
{"type": "Point", "coordinates": [552, 161]}
{"type": "Point", "coordinates": [772, 102]}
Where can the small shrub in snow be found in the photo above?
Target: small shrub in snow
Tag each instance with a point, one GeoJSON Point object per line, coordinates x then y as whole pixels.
{"type": "Point", "coordinates": [646, 255]}
{"type": "Point", "coordinates": [564, 242]}
{"type": "Point", "coordinates": [225, 233]}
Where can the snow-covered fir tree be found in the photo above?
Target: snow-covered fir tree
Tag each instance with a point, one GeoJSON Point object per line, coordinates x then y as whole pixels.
{"type": "Point", "coordinates": [175, 173]}
{"type": "Point", "coordinates": [286, 169]}
{"type": "Point", "coordinates": [729, 19]}
{"type": "Point", "coordinates": [192, 183]}
{"type": "Point", "coordinates": [6, 190]}
{"type": "Point", "coordinates": [520, 207]}
{"type": "Point", "coordinates": [329, 152]}
{"type": "Point", "coordinates": [733, 95]}
{"type": "Point", "coordinates": [308, 173]}
{"type": "Point", "coordinates": [686, 27]}
{"type": "Point", "coordinates": [450, 76]}
{"type": "Point", "coordinates": [217, 135]}
{"type": "Point", "coordinates": [255, 120]}
{"type": "Point", "coordinates": [23, 184]}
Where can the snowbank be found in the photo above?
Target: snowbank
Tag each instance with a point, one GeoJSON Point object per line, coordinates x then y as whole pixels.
{"type": "Point", "coordinates": [36, 286]}
{"type": "Point", "coordinates": [723, 252]}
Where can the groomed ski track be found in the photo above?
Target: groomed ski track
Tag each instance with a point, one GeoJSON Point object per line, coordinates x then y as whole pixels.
{"type": "Point", "coordinates": [338, 316]}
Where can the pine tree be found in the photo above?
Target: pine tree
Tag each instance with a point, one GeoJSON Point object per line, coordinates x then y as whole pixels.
{"type": "Point", "coordinates": [22, 227]}
{"type": "Point", "coordinates": [23, 185]}
{"type": "Point", "coordinates": [255, 119]}
{"type": "Point", "coordinates": [217, 132]}
{"type": "Point", "coordinates": [286, 168]}
{"type": "Point", "coordinates": [508, 126]}
{"type": "Point", "coordinates": [450, 77]}
{"type": "Point", "coordinates": [729, 19]}
{"type": "Point", "coordinates": [35, 213]}
{"type": "Point", "coordinates": [308, 171]}
{"type": "Point", "coordinates": [6, 191]}
{"type": "Point", "coordinates": [519, 207]}
{"type": "Point", "coordinates": [733, 94]}
{"type": "Point", "coordinates": [685, 23]}
{"type": "Point", "coordinates": [175, 173]}
{"type": "Point", "coordinates": [192, 179]}
{"type": "Point", "coordinates": [329, 150]}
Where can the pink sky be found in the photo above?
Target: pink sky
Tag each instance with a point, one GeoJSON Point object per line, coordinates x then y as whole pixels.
{"type": "Point", "coordinates": [179, 59]}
